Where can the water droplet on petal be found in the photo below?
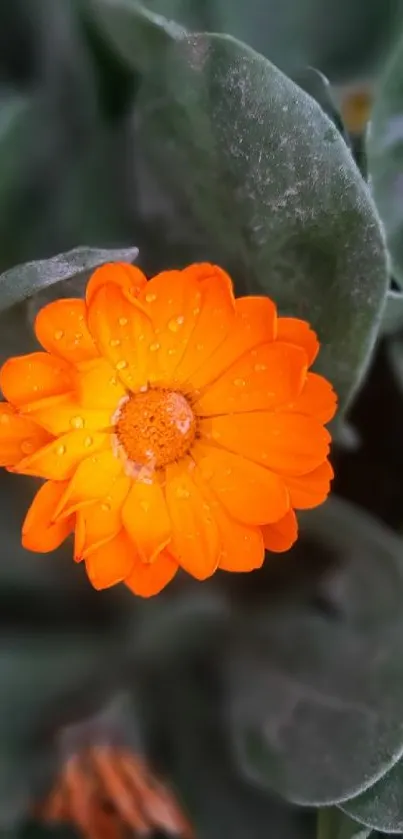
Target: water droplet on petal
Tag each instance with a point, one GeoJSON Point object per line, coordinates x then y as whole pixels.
{"type": "Point", "coordinates": [182, 492]}
{"type": "Point", "coordinates": [122, 321]}
{"type": "Point", "coordinates": [61, 450]}
{"type": "Point", "coordinates": [114, 342]}
{"type": "Point", "coordinates": [239, 382]}
{"type": "Point", "coordinates": [58, 334]}
{"type": "Point", "coordinates": [88, 442]}
{"type": "Point", "coordinates": [105, 507]}
{"type": "Point", "coordinates": [140, 337]}
{"type": "Point", "coordinates": [77, 422]}
{"type": "Point", "coordinates": [4, 418]}
{"type": "Point", "coordinates": [113, 381]}
{"type": "Point", "coordinates": [199, 347]}
{"type": "Point", "coordinates": [121, 364]}
{"type": "Point", "coordinates": [174, 325]}
{"type": "Point", "coordinates": [196, 310]}
{"type": "Point", "coordinates": [27, 447]}
{"type": "Point", "coordinates": [154, 347]}
{"type": "Point", "coordinates": [260, 367]}
{"type": "Point", "coordinates": [144, 506]}
{"type": "Point", "coordinates": [78, 336]}
{"type": "Point", "coordinates": [150, 297]}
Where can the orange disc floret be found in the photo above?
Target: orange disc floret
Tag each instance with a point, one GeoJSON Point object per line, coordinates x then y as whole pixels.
{"type": "Point", "coordinates": [174, 426]}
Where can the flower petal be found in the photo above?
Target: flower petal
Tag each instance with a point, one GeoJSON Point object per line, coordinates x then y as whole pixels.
{"type": "Point", "coordinates": [58, 459]}
{"type": "Point", "coordinates": [308, 491]}
{"type": "Point", "coordinates": [265, 378]}
{"type": "Point", "coordinates": [250, 493]}
{"type": "Point", "coordinates": [242, 547]}
{"type": "Point", "coordinates": [280, 537]}
{"type": "Point", "coordinates": [91, 481]}
{"type": "Point", "coordinates": [59, 414]}
{"type": "Point", "coordinates": [128, 277]}
{"type": "Point", "coordinates": [298, 332]}
{"type": "Point", "coordinates": [61, 328]}
{"type": "Point", "coordinates": [317, 399]}
{"type": "Point", "coordinates": [40, 532]}
{"type": "Point", "coordinates": [214, 321]}
{"type": "Point", "coordinates": [289, 443]}
{"type": "Point", "coordinates": [145, 517]}
{"type": "Point", "coordinates": [101, 521]}
{"type": "Point", "coordinates": [18, 436]}
{"type": "Point", "coordinates": [97, 385]}
{"type": "Point", "coordinates": [147, 578]}
{"type": "Point", "coordinates": [254, 324]}
{"type": "Point", "coordinates": [112, 562]}
{"type": "Point", "coordinates": [195, 540]}
{"type": "Point", "coordinates": [172, 300]}
{"type": "Point", "coordinates": [124, 334]}
{"type": "Point", "coordinates": [27, 378]}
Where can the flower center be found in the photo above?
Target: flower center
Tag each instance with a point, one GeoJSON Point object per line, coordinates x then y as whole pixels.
{"type": "Point", "coordinates": [156, 427]}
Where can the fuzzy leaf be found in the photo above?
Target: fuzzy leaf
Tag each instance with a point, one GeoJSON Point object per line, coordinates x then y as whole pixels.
{"type": "Point", "coordinates": [381, 806]}
{"type": "Point", "coordinates": [23, 281]}
{"type": "Point", "coordinates": [315, 695]}
{"type": "Point", "coordinates": [265, 174]}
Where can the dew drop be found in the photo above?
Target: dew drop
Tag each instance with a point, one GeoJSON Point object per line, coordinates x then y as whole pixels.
{"type": "Point", "coordinates": [239, 382]}
{"type": "Point", "coordinates": [154, 347]}
{"type": "Point", "coordinates": [182, 492]}
{"type": "Point", "coordinates": [196, 310]}
{"type": "Point", "coordinates": [144, 506]}
{"type": "Point", "coordinates": [58, 334]}
{"type": "Point", "coordinates": [77, 422]}
{"type": "Point", "coordinates": [260, 367]}
{"type": "Point", "coordinates": [27, 447]}
{"type": "Point", "coordinates": [175, 324]}
{"type": "Point", "coordinates": [114, 342]}
{"type": "Point", "coordinates": [121, 364]}
{"type": "Point", "coordinates": [122, 321]}
{"type": "Point", "coordinates": [88, 442]}
{"type": "Point", "coordinates": [199, 347]}
{"type": "Point", "coordinates": [150, 297]}
{"type": "Point", "coordinates": [61, 450]}
{"type": "Point", "coordinates": [105, 507]}
{"type": "Point", "coordinates": [113, 381]}
{"type": "Point", "coordinates": [172, 351]}
{"type": "Point", "coordinates": [4, 419]}
{"type": "Point", "coordinates": [141, 337]}
{"type": "Point", "coordinates": [78, 336]}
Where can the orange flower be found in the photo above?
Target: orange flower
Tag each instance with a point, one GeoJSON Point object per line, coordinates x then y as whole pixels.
{"type": "Point", "coordinates": [174, 425]}
{"type": "Point", "coordinates": [109, 793]}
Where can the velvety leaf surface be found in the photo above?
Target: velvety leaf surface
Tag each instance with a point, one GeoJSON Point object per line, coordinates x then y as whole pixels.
{"type": "Point", "coordinates": [264, 173]}
{"type": "Point", "coordinates": [315, 692]}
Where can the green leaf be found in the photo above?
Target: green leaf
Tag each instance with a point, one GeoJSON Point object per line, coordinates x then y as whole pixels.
{"type": "Point", "coordinates": [333, 824]}
{"type": "Point", "coordinates": [23, 281]}
{"type": "Point", "coordinates": [315, 695]}
{"type": "Point", "coordinates": [267, 177]}
{"type": "Point", "coordinates": [385, 156]}
{"type": "Point", "coordinates": [381, 806]}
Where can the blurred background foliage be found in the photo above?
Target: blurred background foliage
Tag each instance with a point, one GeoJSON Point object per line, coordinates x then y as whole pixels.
{"type": "Point", "coordinates": [273, 703]}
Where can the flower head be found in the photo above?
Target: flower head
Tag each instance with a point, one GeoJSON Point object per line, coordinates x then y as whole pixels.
{"type": "Point", "coordinates": [174, 425]}
{"type": "Point", "coordinates": [108, 792]}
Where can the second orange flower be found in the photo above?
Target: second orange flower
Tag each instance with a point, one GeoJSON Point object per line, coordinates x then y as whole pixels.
{"type": "Point", "coordinates": [174, 425]}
